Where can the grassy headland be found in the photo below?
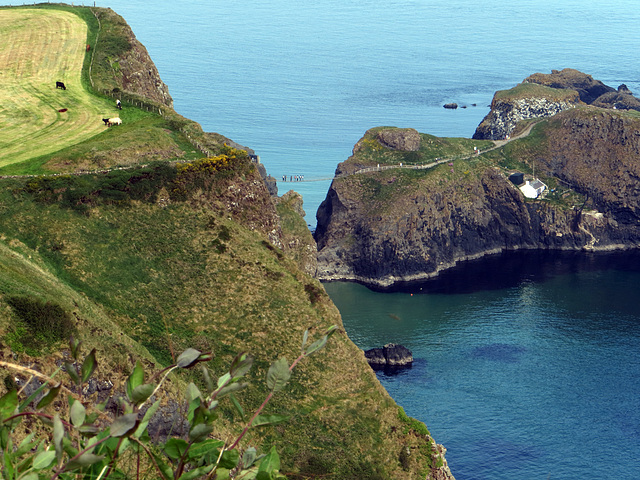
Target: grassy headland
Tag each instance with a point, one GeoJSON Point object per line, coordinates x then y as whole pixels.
{"type": "Point", "coordinates": [146, 261]}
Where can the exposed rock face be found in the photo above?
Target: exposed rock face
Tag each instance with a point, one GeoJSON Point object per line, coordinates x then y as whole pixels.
{"type": "Point", "coordinates": [269, 181]}
{"type": "Point", "coordinates": [134, 70]}
{"type": "Point", "coordinates": [389, 356]}
{"type": "Point", "coordinates": [406, 139]}
{"type": "Point", "coordinates": [140, 75]}
{"type": "Point", "coordinates": [432, 224]}
{"type": "Point", "coordinates": [505, 114]}
{"type": "Point", "coordinates": [507, 110]}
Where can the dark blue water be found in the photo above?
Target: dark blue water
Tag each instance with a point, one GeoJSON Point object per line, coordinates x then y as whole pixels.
{"type": "Point", "coordinates": [525, 369]}
{"type": "Point", "coordinates": [532, 375]}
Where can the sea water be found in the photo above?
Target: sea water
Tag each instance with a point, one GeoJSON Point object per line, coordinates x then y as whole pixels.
{"type": "Point", "coordinates": [301, 81]}
{"type": "Point", "coordinates": [534, 377]}
{"type": "Point", "coordinates": [526, 364]}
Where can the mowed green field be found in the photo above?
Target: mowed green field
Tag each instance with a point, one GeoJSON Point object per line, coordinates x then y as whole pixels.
{"type": "Point", "coordinates": [38, 48]}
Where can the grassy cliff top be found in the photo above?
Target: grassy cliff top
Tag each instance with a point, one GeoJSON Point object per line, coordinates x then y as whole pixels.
{"type": "Point", "coordinates": [140, 263]}
{"type": "Point", "coordinates": [534, 90]}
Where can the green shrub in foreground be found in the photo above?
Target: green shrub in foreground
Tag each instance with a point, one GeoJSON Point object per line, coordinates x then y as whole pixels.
{"type": "Point", "coordinates": [84, 442]}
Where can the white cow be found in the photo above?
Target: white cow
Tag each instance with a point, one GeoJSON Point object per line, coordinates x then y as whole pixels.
{"type": "Point", "coordinates": [114, 121]}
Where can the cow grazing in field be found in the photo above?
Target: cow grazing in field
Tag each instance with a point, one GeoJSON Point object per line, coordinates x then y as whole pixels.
{"type": "Point", "coordinates": [60, 85]}
{"type": "Point", "coordinates": [114, 121]}
{"type": "Point", "coordinates": [106, 121]}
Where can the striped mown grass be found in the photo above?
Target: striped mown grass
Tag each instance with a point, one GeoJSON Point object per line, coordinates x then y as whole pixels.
{"type": "Point", "coordinates": [37, 49]}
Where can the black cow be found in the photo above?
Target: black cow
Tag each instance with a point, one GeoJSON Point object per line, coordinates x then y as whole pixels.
{"type": "Point", "coordinates": [60, 85]}
{"type": "Point", "coordinates": [106, 121]}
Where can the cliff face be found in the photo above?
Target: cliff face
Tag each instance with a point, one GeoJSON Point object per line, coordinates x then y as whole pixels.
{"type": "Point", "coordinates": [122, 62]}
{"type": "Point", "coordinates": [427, 221]}
{"type": "Point", "coordinates": [544, 95]}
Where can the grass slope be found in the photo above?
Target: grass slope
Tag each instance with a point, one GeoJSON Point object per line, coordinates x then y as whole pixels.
{"type": "Point", "coordinates": [38, 48]}
{"type": "Point", "coordinates": [151, 260]}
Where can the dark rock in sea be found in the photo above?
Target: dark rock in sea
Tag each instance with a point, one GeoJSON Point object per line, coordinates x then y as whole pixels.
{"type": "Point", "coordinates": [389, 357]}
{"type": "Point", "coordinates": [451, 106]}
{"type": "Point", "coordinates": [624, 89]}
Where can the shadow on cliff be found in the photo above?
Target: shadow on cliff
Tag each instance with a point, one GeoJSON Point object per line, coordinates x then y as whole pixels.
{"type": "Point", "coordinates": [510, 269]}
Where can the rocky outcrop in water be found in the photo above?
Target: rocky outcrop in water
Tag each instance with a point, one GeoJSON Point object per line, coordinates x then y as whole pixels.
{"type": "Point", "coordinates": [544, 95]}
{"type": "Point", "coordinates": [381, 228]}
{"type": "Point", "coordinates": [390, 356]}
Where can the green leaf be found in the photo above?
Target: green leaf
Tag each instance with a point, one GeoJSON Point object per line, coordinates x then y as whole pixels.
{"type": "Point", "coordinates": [270, 462]}
{"type": "Point", "coordinates": [88, 366]}
{"type": "Point", "coordinates": [44, 459]}
{"type": "Point", "coordinates": [135, 379]}
{"type": "Point", "coordinates": [261, 420]}
{"type": "Point", "coordinates": [30, 476]}
{"type": "Point", "coordinates": [200, 432]}
{"type": "Point", "coordinates": [49, 397]}
{"type": "Point", "coordinates": [240, 365]}
{"type": "Point", "coordinates": [8, 404]}
{"type": "Point", "coordinates": [32, 397]}
{"type": "Point", "coordinates": [85, 460]}
{"type": "Point", "coordinates": [77, 413]}
{"type": "Point", "coordinates": [74, 345]}
{"type": "Point", "coordinates": [317, 345]}
{"type": "Point", "coordinates": [331, 330]}
{"type": "Point", "coordinates": [165, 470]}
{"type": "Point", "coordinates": [234, 387]}
{"type": "Point", "coordinates": [141, 393]}
{"type": "Point", "coordinates": [8, 469]}
{"type": "Point", "coordinates": [193, 392]}
{"type": "Point", "coordinates": [305, 337]}
{"type": "Point", "coordinates": [224, 379]}
{"type": "Point", "coordinates": [236, 404]}
{"type": "Point", "coordinates": [188, 358]}
{"type": "Point", "coordinates": [175, 448]}
{"type": "Point", "coordinates": [249, 457]}
{"type": "Point", "coordinates": [4, 438]}
{"type": "Point", "coordinates": [151, 411]}
{"type": "Point", "coordinates": [123, 424]}
{"type": "Point", "coordinates": [58, 435]}
{"type": "Point", "coordinates": [278, 375]}
{"type": "Point", "coordinates": [207, 379]}
{"type": "Point", "coordinates": [196, 472]}
{"type": "Point", "coordinates": [229, 459]}
{"type": "Point", "coordinates": [203, 449]}
{"type": "Point", "coordinates": [72, 372]}
{"type": "Point", "coordinates": [249, 474]}
{"type": "Point", "coordinates": [88, 430]}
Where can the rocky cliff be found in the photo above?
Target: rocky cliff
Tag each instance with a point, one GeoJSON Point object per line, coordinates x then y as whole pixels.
{"type": "Point", "coordinates": [544, 95]}
{"type": "Point", "coordinates": [404, 224]}
{"type": "Point", "coordinates": [126, 61]}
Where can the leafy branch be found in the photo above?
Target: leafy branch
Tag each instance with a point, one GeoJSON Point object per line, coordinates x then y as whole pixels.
{"type": "Point", "coordinates": [87, 443]}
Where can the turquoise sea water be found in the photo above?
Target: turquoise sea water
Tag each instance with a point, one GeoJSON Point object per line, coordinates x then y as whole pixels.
{"type": "Point", "coordinates": [521, 372]}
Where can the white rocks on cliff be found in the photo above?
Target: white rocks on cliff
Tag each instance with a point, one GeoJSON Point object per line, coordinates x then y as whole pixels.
{"type": "Point", "coordinates": [506, 114]}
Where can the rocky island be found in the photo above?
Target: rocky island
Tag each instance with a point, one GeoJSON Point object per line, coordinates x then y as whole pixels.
{"type": "Point", "coordinates": [407, 205]}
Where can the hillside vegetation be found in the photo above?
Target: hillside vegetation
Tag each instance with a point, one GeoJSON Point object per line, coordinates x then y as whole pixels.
{"type": "Point", "coordinates": [141, 263]}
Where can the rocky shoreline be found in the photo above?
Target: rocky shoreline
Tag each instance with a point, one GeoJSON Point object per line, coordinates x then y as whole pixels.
{"type": "Point", "coordinates": [386, 227]}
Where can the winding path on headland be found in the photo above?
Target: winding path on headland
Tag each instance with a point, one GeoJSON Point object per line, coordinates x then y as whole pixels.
{"type": "Point", "coordinates": [424, 166]}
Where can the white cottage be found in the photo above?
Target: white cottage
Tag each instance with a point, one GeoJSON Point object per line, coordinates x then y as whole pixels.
{"type": "Point", "coordinates": [533, 188]}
